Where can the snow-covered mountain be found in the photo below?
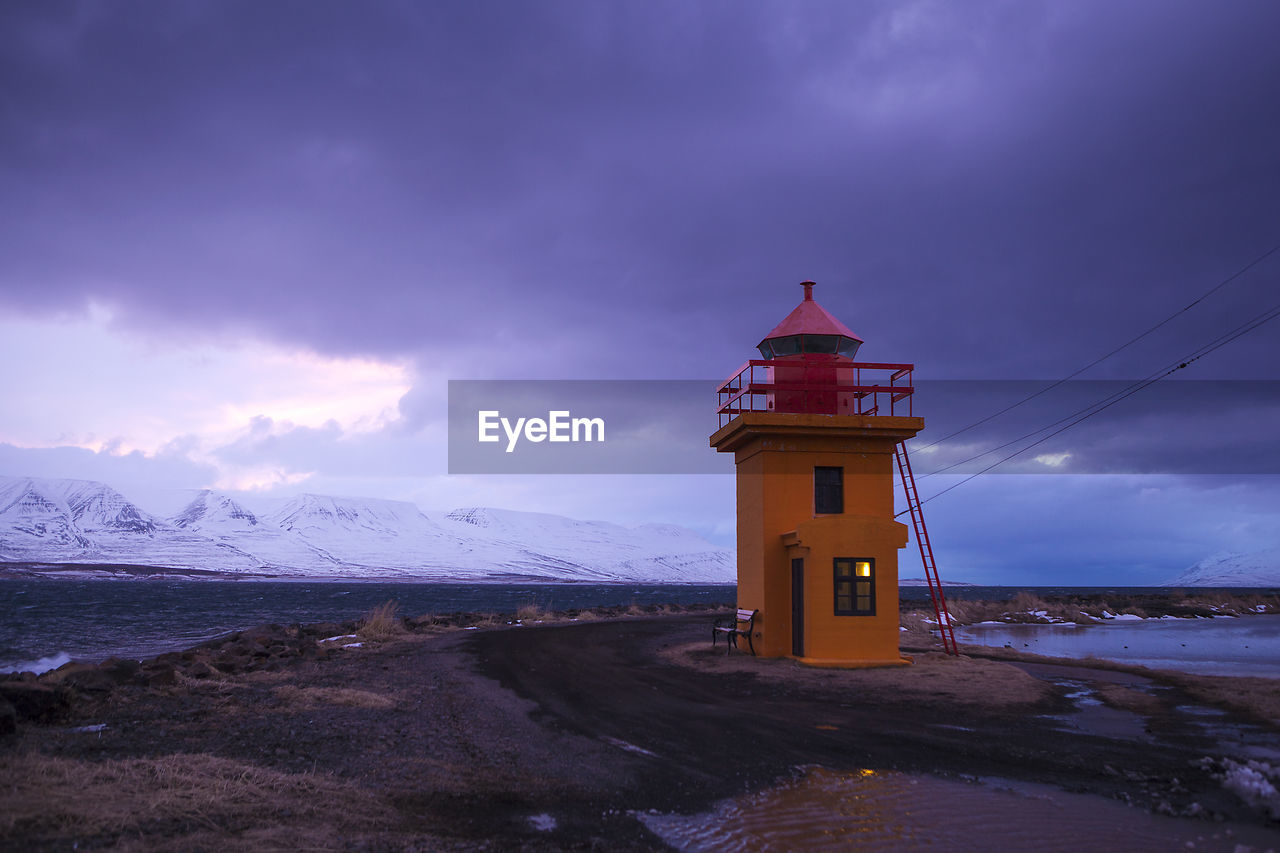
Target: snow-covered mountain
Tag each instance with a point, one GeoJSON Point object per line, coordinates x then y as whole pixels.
{"type": "Point", "coordinates": [79, 521]}
{"type": "Point", "coordinates": [1256, 569]}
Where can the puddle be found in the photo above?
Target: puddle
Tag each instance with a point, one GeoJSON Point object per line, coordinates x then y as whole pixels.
{"type": "Point", "coordinates": [825, 810]}
{"type": "Point", "coordinates": [1233, 738]}
{"type": "Point", "coordinates": [1247, 645]}
{"type": "Point", "coordinates": [1229, 736]}
{"type": "Point", "coordinates": [1092, 717]}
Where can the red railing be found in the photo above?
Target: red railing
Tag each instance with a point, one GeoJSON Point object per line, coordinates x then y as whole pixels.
{"type": "Point", "coordinates": [828, 387]}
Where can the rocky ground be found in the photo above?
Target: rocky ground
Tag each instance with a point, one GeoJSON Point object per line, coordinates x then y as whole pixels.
{"type": "Point", "coordinates": [431, 736]}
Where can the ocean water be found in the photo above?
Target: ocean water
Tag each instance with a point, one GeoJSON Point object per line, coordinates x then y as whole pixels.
{"type": "Point", "coordinates": [45, 622]}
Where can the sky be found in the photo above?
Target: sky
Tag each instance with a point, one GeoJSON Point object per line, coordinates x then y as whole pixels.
{"type": "Point", "coordinates": [247, 246]}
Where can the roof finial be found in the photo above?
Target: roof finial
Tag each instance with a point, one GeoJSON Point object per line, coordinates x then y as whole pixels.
{"type": "Point", "coordinates": [808, 290]}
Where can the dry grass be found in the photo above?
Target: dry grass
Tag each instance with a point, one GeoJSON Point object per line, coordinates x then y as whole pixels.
{"type": "Point", "coordinates": [484, 620]}
{"type": "Point", "coordinates": [1026, 607]}
{"type": "Point", "coordinates": [307, 698]}
{"type": "Point", "coordinates": [1257, 696]}
{"type": "Point", "coordinates": [1127, 699]}
{"type": "Point", "coordinates": [1230, 603]}
{"type": "Point", "coordinates": [533, 612]}
{"type": "Point", "coordinates": [143, 802]}
{"type": "Point", "coordinates": [381, 623]}
{"type": "Point", "coordinates": [219, 684]}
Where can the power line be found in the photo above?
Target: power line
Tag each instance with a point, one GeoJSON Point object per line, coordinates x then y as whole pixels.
{"type": "Point", "coordinates": [1089, 411]}
{"type": "Point", "coordinates": [1237, 274]}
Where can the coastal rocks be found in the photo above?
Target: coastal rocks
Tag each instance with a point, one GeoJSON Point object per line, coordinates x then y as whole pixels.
{"type": "Point", "coordinates": [33, 701]}
{"type": "Point", "coordinates": [86, 679]}
{"type": "Point", "coordinates": [49, 698]}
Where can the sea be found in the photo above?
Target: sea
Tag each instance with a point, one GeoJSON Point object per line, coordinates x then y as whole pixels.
{"type": "Point", "coordinates": [46, 622]}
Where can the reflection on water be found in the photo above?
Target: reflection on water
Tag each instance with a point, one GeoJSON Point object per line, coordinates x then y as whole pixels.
{"type": "Point", "coordinates": [872, 810]}
{"type": "Point", "coordinates": [1247, 645]}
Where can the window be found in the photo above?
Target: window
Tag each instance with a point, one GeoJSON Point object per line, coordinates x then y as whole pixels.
{"type": "Point", "coordinates": [828, 490]}
{"type": "Point", "coordinates": [786, 346]}
{"type": "Point", "coordinates": [855, 586]}
{"type": "Point", "coordinates": [820, 343]}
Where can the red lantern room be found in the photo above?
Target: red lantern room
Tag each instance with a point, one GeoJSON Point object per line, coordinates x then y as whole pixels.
{"type": "Point", "coordinates": [808, 368]}
{"type": "Point", "coordinates": [809, 333]}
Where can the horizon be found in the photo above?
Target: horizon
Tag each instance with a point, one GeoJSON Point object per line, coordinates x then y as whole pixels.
{"type": "Point", "coordinates": [263, 506]}
{"type": "Point", "coordinates": [245, 255]}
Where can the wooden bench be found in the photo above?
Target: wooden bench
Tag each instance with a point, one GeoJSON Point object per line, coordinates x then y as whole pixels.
{"type": "Point", "coordinates": [731, 628]}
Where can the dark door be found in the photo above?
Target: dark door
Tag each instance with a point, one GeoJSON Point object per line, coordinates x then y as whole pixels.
{"type": "Point", "coordinates": [797, 607]}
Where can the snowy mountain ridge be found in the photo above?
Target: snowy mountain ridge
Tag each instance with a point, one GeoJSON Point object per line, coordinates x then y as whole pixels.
{"type": "Point", "coordinates": [1255, 569]}
{"type": "Point", "coordinates": [85, 522]}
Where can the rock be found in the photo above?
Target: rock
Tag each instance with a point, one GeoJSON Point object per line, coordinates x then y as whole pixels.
{"type": "Point", "coordinates": [121, 670]}
{"type": "Point", "coordinates": [31, 700]}
{"type": "Point", "coordinates": [8, 719]}
{"type": "Point", "coordinates": [90, 680]}
{"type": "Point", "coordinates": [160, 675]}
{"type": "Point", "coordinates": [202, 669]}
{"type": "Point", "coordinates": [83, 677]}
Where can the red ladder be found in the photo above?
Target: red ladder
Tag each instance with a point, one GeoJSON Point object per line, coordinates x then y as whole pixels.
{"type": "Point", "coordinates": [926, 550]}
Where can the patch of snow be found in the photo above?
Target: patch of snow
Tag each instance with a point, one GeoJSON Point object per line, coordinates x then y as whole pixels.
{"type": "Point", "coordinates": [339, 637]}
{"type": "Point", "coordinates": [352, 646]}
{"type": "Point", "coordinates": [629, 747]}
{"type": "Point", "coordinates": [1255, 783]}
{"type": "Point", "coordinates": [543, 822]}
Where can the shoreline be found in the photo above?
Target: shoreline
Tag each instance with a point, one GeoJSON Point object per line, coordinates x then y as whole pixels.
{"type": "Point", "coordinates": [449, 738]}
{"type": "Point", "coordinates": [1019, 609]}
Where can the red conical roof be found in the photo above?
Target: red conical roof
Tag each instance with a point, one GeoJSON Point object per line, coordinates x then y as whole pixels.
{"type": "Point", "coordinates": [810, 318]}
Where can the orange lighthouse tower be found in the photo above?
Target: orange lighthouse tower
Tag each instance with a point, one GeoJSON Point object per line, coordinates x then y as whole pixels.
{"type": "Point", "coordinates": [814, 435]}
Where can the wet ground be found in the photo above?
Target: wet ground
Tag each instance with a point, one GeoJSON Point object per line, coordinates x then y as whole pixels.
{"type": "Point", "coordinates": [1241, 646]}
{"type": "Point", "coordinates": [633, 734]}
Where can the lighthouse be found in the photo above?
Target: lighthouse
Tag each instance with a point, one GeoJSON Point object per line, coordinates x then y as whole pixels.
{"type": "Point", "coordinates": [813, 434]}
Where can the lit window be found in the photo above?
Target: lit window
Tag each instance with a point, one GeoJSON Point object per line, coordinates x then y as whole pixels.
{"type": "Point", "coordinates": [855, 579]}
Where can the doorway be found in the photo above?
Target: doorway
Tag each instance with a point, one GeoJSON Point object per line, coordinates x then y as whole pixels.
{"type": "Point", "coordinates": [797, 607]}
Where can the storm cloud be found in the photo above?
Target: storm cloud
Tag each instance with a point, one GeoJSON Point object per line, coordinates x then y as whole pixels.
{"type": "Point", "coordinates": [573, 190]}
